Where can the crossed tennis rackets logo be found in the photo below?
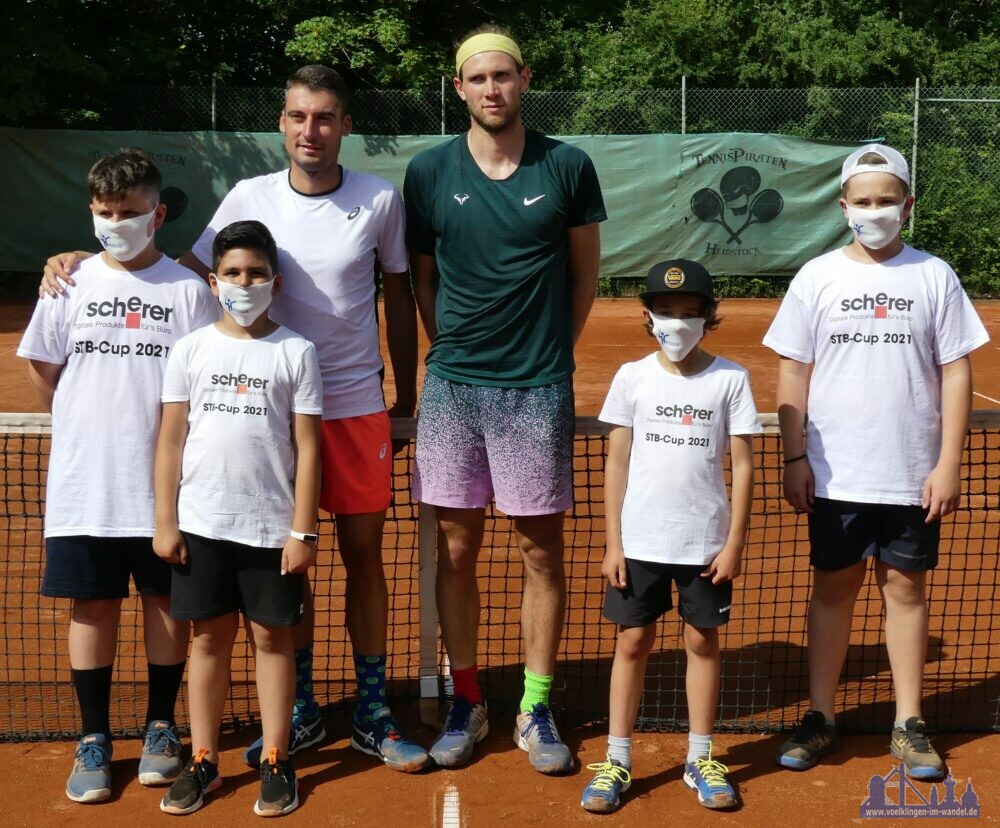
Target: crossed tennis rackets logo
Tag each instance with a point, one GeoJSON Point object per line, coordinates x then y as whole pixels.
{"type": "Point", "coordinates": [737, 194]}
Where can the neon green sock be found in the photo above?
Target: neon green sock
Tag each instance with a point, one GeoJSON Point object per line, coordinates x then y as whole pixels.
{"type": "Point", "coordinates": [536, 690]}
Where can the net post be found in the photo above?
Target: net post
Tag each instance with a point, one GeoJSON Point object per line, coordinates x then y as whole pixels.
{"type": "Point", "coordinates": [427, 553]}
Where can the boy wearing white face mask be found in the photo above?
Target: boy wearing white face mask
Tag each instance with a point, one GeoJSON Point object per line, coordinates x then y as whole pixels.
{"type": "Point", "coordinates": [674, 413]}
{"type": "Point", "coordinates": [97, 361]}
{"type": "Point", "coordinates": [237, 488]}
{"type": "Point", "coordinates": [874, 341]}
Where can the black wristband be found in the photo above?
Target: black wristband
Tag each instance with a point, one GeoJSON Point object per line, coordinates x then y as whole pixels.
{"type": "Point", "coordinates": [791, 460]}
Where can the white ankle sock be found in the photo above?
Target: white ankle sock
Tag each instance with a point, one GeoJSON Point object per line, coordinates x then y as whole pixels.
{"type": "Point", "coordinates": [699, 747]}
{"type": "Point", "coordinates": [620, 749]}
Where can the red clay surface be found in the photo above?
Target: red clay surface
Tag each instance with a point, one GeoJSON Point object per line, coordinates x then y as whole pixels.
{"type": "Point", "coordinates": [342, 787]}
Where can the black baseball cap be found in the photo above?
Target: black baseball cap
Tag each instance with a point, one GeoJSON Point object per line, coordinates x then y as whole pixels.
{"type": "Point", "coordinates": [678, 276]}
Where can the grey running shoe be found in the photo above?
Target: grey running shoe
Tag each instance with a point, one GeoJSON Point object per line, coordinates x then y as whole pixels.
{"type": "Point", "coordinates": [465, 725]}
{"type": "Point", "coordinates": [535, 732]}
{"type": "Point", "coordinates": [812, 738]}
{"type": "Point", "coordinates": [90, 780]}
{"type": "Point", "coordinates": [910, 743]}
{"type": "Point", "coordinates": [160, 763]}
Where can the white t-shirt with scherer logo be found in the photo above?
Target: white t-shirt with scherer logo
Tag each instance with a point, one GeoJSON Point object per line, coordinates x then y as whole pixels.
{"type": "Point", "coordinates": [113, 332]}
{"type": "Point", "coordinates": [876, 335]}
{"type": "Point", "coordinates": [238, 475]}
{"type": "Point", "coordinates": [676, 509]}
{"type": "Point", "coordinates": [328, 246]}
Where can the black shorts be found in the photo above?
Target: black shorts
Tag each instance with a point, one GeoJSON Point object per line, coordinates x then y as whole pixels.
{"type": "Point", "coordinates": [87, 568]}
{"type": "Point", "coordinates": [221, 577]}
{"type": "Point", "coordinates": [702, 604]}
{"type": "Point", "coordinates": [843, 533]}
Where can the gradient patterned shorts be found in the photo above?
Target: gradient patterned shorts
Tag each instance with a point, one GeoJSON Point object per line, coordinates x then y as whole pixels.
{"type": "Point", "coordinates": [474, 441]}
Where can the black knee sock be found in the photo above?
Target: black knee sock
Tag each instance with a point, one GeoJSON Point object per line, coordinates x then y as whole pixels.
{"type": "Point", "coordinates": [93, 692]}
{"type": "Point", "coordinates": [164, 683]}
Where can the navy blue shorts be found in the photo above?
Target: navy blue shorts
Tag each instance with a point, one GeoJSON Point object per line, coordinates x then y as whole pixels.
{"type": "Point", "coordinates": [85, 567]}
{"type": "Point", "coordinates": [702, 604]}
{"type": "Point", "coordinates": [843, 533]}
{"type": "Point", "coordinates": [221, 577]}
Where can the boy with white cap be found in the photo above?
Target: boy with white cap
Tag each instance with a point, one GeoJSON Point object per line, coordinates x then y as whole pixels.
{"type": "Point", "coordinates": [874, 340]}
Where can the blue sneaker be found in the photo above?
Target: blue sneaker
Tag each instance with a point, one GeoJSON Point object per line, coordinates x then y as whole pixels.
{"type": "Point", "coordinates": [307, 730]}
{"type": "Point", "coordinates": [535, 732]}
{"type": "Point", "coordinates": [382, 737]}
{"type": "Point", "coordinates": [708, 778]}
{"type": "Point", "coordinates": [603, 793]}
{"type": "Point", "coordinates": [90, 780]}
{"type": "Point", "coordinates": [160, 763]}
{"type": "Point", "coordinates": [465, 725]}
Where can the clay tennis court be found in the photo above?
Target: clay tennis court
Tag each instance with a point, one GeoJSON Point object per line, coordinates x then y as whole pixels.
{"type": "Point", "coordinates": [764, 668]}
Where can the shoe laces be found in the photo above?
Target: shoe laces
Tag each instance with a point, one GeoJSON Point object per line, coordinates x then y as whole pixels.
{"type": "Point", "coordinates": [387, 726]}
{"type": "Point", "coordinates": [713, 772]}
{"type": "Point", "coordinates": [160, 740]}
{"type": "Point", "coordinates": [274, 769]}
{"type": "Point", "coordinates": [91, 755]}
{"type": "Point", "coordinates": [607, 774]}
{"type": "Point", "coordinates": [918, 740]}
{"type": "Point", "coordinates": [196, 769]}
{"type": "Point", "coordinates": [458, 715]}
{"type": "Point", "coordinates": [541, 721]}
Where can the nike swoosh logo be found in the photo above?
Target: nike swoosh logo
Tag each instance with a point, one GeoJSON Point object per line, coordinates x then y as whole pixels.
{"type": "Point", "coordinates": [529, 201]}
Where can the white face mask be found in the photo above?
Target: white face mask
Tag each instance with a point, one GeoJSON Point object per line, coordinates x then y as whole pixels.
{"type": "Point", "coordinates": [245, 304]}
{"type": "Point", "coordinates": [875, 228]}
{"type": "Point", "coordinates": [677, 337]}
{"type": "Point", "coordinates": [127, 238]}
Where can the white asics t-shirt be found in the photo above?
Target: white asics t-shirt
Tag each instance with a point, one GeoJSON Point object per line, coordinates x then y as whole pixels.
{"type": "Point", "coordinates": [112, 332]}
{"type": "Point", "coordinates": [876, 334]}
{"type": "Point", "coordinates": [327, 249]}
{"type": "Point", "coordinates": [676, 509]}
{"type": "Point", "coordinates": [238, 475]}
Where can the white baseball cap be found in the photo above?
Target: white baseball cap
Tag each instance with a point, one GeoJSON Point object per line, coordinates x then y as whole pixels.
{"type": "Point", "coordinates": [894, 163]}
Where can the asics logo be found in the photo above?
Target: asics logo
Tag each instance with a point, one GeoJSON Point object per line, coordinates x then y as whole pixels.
{"type": "Point", "coordinates": [354, 213]}
{"type": "Point", "coordinates": [381, 454]}
{"type": "Point", "coordinates": [529, 201]}
{"type": "Point", "coordinates": [461, 198]}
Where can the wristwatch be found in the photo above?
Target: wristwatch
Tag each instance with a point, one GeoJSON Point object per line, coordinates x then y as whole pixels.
{"type": "Point", "coordinates": [308, 537]}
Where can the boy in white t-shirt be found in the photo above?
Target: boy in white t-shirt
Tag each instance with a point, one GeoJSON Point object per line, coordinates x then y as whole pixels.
{"type": "Point", "coordinates": [874, 341]}
{"type": "Point", "coordinates": [237, 487]}
{"type": "Point", "coordinates": [97, 357]}
{"type": "Point", "coordinates": [675, 413]}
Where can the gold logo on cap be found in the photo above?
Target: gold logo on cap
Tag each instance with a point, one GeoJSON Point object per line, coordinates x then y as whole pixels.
{"type": "Point", "coordinates": [674, 277]}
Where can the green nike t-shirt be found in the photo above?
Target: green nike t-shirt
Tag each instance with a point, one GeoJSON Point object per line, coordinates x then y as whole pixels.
{"type": "Point", "coordinates": [504, 309]}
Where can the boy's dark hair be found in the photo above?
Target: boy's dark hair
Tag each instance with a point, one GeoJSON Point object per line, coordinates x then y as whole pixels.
{"type": "Point", "coordinates": [117, 175]}
{"type": "Point", "coordinates": [488, 28]}
{"type": "Point", "coordinates": [318, 78]}
{"type": "Point", "coordinates": [244, 235]}
{"type": "Point", "coordinates": [708, 309]}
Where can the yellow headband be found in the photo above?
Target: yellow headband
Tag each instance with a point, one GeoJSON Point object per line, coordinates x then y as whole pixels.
{"type": "Point", "coordinates": [486, 43]}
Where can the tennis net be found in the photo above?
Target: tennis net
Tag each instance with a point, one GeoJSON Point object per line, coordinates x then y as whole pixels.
{"type": "Point", "coordinates": [764, 670]}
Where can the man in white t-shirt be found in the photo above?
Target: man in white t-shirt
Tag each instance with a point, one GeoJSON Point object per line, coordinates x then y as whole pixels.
{"type": "Point", "coordinates": [97, 358]}
{"type": "Point", "coordinates": [333, 227]}
{"type": "Point", "coordinates": [874, 341]}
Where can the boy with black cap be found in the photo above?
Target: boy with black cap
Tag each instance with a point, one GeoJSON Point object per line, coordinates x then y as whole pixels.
{"type": "Point", "coordinates": [874, 340]}
{"type": "Point", "coordinates": [674, 414]}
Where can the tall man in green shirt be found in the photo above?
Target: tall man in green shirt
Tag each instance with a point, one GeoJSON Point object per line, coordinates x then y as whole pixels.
{"type": "Point", "coordinates": [502, 227]}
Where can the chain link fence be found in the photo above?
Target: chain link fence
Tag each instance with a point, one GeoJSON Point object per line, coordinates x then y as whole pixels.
{"type": "Point", "coordinates": [952, 135]}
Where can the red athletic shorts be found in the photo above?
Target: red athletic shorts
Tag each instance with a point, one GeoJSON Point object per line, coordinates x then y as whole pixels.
{"type": "Point", "coordinates": [357, 464]}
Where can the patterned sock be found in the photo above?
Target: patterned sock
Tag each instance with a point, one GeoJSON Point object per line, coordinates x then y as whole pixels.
{"type": "Point", "coordinates": [620, 749]}
{"type": "Point", "coordinates": [371, 685]}
{"type": "Point", "coordinates": [305, 702]}
{"type": "Point", "coordinates": [699, 747]}
{"type": "Point", "coordinates": [536, 690]}
{"type": "Point", "coordinates": [467, 684]}
{"type": "Point", "coordinates": [164, 684]}
{"type": "Point", "coordinates": [93, 692]}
